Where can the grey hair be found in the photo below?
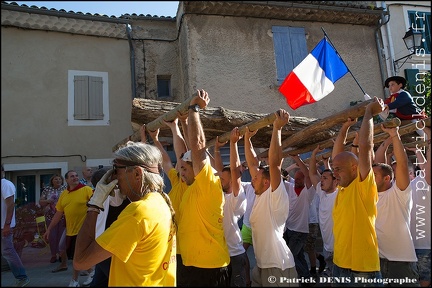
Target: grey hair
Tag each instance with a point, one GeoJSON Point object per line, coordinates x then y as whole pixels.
{"type": "Point", "coordinates": [150, 156]}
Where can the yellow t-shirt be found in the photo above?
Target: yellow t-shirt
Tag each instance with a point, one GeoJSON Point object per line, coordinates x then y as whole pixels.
{"type": "Point", "coordinates": [202, 242]}
{"type": "Point", "coordinates": [176, 195]}
{"type": "Point", "coordinates": [74, 206]}
{"type": "Point", "coordinates": [354, 215]}
{"type": "Point", "coordinates": [143, 244]}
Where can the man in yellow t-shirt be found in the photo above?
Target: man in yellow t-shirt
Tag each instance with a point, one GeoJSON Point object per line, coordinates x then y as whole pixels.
{"type": "Point", "coordinates": [355, 242]}
{"type": "Point", "coordinates": [141, 241]}
{"type": "Point", "coordinates": [71, 204]}
{"type": "Point", "coordinates": [178, 186]}
{"type": "Point", "coordinates": [201, 236]}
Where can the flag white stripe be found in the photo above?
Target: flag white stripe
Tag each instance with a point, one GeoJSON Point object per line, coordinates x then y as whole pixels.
{"type": "Point", "coordinates": [313, 78]}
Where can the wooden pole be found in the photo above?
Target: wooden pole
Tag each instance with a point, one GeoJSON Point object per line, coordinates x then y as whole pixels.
{"type": "Point", "coordinates": [169, 116]}
{"type": "Point", "coordinates": [321, 125]}
{"type": "Point", "coordinates": [408, 128]}
{"type": "Point", "coordinates": [329, 143]}
{"type": "Point", "coordinates": [157, 123]}
{"type": "Point", "coordinates": [254, 125]}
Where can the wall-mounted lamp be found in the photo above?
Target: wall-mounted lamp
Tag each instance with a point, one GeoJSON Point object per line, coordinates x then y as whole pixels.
{"type": "Point", "coordinates": [412, 40]}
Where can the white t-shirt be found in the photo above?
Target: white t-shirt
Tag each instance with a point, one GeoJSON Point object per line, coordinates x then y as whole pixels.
{"type": "Point", "coordinates": [325, 211]}
{"type": "Point", "coordinates": [7, 190]}
{"type": "Point", "coordinates": [313, 210]}
{"type": "Point", "coordinates": [421, 213]}
{"type": "Point", "coordinates": [267, 220]}
{"type": "Point", "coordinates": [298, 218]}
{"type": "Point", "coordinates": [234, 208]}
{"type": "Point", "coordinates": [250, 199]}
{"type": "Point", "coordinates": [392, 225]}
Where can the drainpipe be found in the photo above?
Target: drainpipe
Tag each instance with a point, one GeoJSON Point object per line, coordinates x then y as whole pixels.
{"type": "Point", "coordinates": [132, 59]}
{"type": "Point", "coordinates": [391, 70]}
{"type": "Point", "coordinates": [380, 49]}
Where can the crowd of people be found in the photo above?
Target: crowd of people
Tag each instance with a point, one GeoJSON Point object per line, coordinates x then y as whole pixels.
{"type": "Point", "coordinates": [124, 230]}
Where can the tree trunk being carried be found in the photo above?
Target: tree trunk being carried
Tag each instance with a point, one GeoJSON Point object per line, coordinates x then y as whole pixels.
{"type": "Point", "coordinates": [404, 131]}
{"type": "Point", "coordinates": [326, 123]}
{"type": "Point", "coordinates": [216, 121]}
{"type": "Point", "coordinates": [329, 143]}
{"type": "Point", "coordinates": [301, 134]}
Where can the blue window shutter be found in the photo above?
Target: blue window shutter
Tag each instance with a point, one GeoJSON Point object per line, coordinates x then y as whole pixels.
{"type": "Point", "coordinates": [95, 98]}
{"type": "Point", "coordinates": [290, 49]}
{"type": "Point", "coordinates": [81, 97]}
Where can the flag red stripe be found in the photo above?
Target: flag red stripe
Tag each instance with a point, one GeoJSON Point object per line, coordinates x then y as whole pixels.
{"type": "Point", "coordinates": [295, 92]}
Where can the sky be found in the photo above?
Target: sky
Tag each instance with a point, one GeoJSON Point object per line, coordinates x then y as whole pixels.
{"type": "Point", "coordinates": [109, 8]}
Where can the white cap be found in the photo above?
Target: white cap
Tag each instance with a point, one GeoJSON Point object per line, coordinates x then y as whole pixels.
{"type": "Point", "coordinates": [187, 157]}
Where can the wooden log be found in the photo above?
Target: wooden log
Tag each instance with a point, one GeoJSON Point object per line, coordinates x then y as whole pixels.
{"type": "Point", "coordinates": [326, 123]}
{"type": "Point", "coordinates": [217, 121]}
{"type": "Point", "coordinates": [254, 125]}
{"type": "Point", "coordinates": [170, 116]}
{"type": "Point", "coordinates": [403, 130]}
{"type": "Point", "coordinates": [329, 143]}
{"type": "Point", "coordinates": [157, 123]}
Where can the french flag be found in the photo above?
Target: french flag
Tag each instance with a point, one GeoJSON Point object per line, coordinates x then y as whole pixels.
{"type": "Point", "coordinates": [314, 77]}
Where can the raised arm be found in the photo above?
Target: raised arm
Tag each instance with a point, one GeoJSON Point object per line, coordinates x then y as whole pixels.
{"type": "Point", "coordinates": [326, 162]}
{"type": "Point", "coordinates": [304, 169]}
{"type": "Point", "coordinates": [178, 140]}
{"type": "Point", "coordinates": [401, 173]}
{"type": "Point", "coordinates": [184, 124]}
{"type": "Point", "coordinates": [381, 152]}
{"type": "Point", "coordinates": [166, 160]}
{"type": "Point", "coordinates": [289, 169]}
{"type": "Point", "coordinates": [314, 176]}
{"type": "Point", "coordinates": [354, 146]}
{"type": "Point", "coordinates": [275, 150]}
{"type": "Point", "coordinates": [339, 143]}
{"type": "Point", "coordinates": [235, 162]}
{"type": "Point", "coordinates": [218, 163]}
{"type": "Point", "coordinates": [366, 137]}
{"type": "Point", "coordinates": [251, 157]}
{"type": "Point", "coordinates": [196, 134]}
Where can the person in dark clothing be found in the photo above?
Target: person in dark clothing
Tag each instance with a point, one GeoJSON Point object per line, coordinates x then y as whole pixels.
{"type": "Point", "coordinates": [400, 102]}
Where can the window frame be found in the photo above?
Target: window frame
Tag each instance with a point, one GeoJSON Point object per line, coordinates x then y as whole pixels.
{"type": "Point", "coordinates": [71, 99]}
{"type": "Point", "coordinates": [164, 78]}
{"type": "Point", "coordinates": [407, 11]}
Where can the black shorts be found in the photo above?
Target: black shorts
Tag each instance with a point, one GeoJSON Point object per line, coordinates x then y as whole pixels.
{"type": "Point", "coordinates": [203, 277]}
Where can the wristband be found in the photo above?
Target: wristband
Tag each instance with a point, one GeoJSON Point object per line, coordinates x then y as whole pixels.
{"type": "Point", "coordinates": [93, 209]}
{"type": "Point", "coordinates": [8, 223]}
{"type": "Point", "coordinates": [354, 145]}
{"type": "Point", "coordinates": [94, 206]}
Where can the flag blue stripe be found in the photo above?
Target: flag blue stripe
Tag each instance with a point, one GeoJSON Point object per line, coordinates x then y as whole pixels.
{"type": "Point", "coordinates": [329, 61]}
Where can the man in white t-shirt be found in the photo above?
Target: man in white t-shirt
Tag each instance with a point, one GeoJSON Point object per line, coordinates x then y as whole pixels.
{"type": "Point", "coordinates": [326, 189]}
{"type": "Point", "coordinates": [301, 194]}
{"type": "Point", "coordinates": [8, 251]}
{"type": "Point", "coordinates": [397, 258]}
{"type": "Point", "coordinates": [240, 205]}
{"type": "Point", "coordinates": [274, 260]}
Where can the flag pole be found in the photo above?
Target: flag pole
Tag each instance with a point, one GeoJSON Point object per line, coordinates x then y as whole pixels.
{"type": "Point", "coordinates": [364, 93]}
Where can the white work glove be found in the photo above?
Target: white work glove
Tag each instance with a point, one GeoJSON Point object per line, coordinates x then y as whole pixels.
{"type": "Point", "coordinates": [103, 189]}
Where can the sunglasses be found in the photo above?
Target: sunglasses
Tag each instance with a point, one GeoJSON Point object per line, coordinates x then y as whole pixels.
{"type": "Point", "coordinates": [115, 167]}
